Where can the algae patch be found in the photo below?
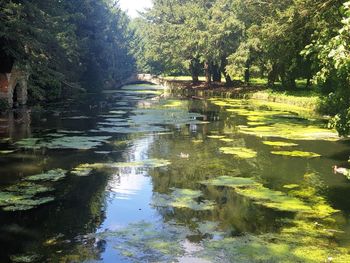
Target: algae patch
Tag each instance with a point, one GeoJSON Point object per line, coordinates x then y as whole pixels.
{"type": "Point", "coordinates": [183, 198]}
{"type": "Point", "coordinates": [148, 242]}
{"type": "Point", "coordinates": [280, 144]}
{"type": "Point", "coordinates": [297, 154]}
{"type": "Point", "coordinates": [240, 152]}
{"type": "Point", "coordinates": [53, 176]}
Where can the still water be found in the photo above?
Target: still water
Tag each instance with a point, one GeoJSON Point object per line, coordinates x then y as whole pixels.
{"type": "Point", "coordinates": [144, 176]}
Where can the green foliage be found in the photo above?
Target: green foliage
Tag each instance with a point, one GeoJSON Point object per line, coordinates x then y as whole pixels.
{"type": "Point", "coordinates": [65, 44]}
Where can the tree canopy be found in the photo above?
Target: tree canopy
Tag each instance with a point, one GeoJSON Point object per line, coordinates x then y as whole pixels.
{"type": "Point", "coordinates": [65, 43]}
{"type": "Point", "coordinates": [281, 40]}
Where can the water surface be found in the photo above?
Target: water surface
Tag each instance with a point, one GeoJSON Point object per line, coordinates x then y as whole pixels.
{"type": "Point", "coordinates": [143, 176]}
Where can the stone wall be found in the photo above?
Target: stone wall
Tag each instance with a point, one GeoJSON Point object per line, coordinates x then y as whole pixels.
{"type": "Point", "coordinates": [14, 85]}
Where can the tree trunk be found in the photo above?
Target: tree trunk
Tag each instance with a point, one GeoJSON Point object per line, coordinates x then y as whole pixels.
{"type": "Point", "coordinates": [207, 71]}
{"type": "Point", "coordinates": [195, 69]}
{"type": "Point", "coordinates": [223, 65]}
{"type": "Point", "coordinates": [216, 73]}
{"type": "Point", "coordinates": [247, 74]}
{"type": "Point", "coordinates": [272, 76]}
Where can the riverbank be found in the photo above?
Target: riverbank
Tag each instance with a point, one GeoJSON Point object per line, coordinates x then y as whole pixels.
{"type": "Point", "coordinates": [258, 90]}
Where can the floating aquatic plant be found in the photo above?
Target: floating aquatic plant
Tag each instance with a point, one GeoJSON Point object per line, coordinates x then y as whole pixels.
{"type": "Point", "coordinates": [231, 181]}
{"type": "Point", "coordinates": [291, 131]}
{"type": "Point", "coordinates": [148, 163]}
{"type": "Point", "coordinates": [296, 154]}
{"type": "Point", "coordinates": [25, 258]}
{"type": "Point", "coordinates": [183, 198]}
{"type": "Point", "coordinates": [52, 175]}
{"type": "Point", "coordinates": [81, 171]}
{"type": "Point", "coordinates": [240, 152]}
{"type": "Point", "coordinates": [65, 142]}
{"type": "Point", "coordinates": [279, 144]}
{"type": "Point", "coordinates": [148, 242]}
{"type": "Point", "coordinates": [259, 194]}
{"type": "Point", "coordinates": [7, 152]}
{"type": "Point", "coordinates": [227, 140]}
{"type": "Point", "coordinates": [21, 200]}
{"type": "Point", "coordinates": [216, 136]}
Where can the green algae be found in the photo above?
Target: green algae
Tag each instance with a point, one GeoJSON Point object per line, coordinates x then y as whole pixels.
{"type": "Point", "coordinates": [240, 152]}
{"type": "Point", "coordinates": [81, 171]}
{"type": "Point", "coordinates": [183, 198]}
{"type": "Point", "coordinates": [148, 242]}
{"type": "Point", "coordinates": [226, 140]}
{"type": "Point", "coordinates": [27, 204]}
{"type": "Point", "coordinates": [65, 142]}
{"type": "Point", "coordinates": [274, 199]}
{"type": "Point", "coordinates": [291, 131]}
{"type": "Point", "coordinates": [52, 175]}
{"type": "Point", "coordinates": [22, 200]}
{"type": "Point", "coordinates": [231, 181]}
{"type": "Point", "coordinates": [25, 258]}
{"type": "Point", "coordinates": [280, 144]}
{"type": "Point", "coordinates": [291, 186]}
{"type": "Point", "coordinates": [175, 104]}
{"type": "Point", "coordinates": [216, 136]}
{"type": "Point", "coordinates": [297, 154]}
{"type": "Point", "coordinates": [261, 195]}
{"type": "Point", "coordinates": [148, 163]}
{"type": "Point", "coordinates": [4, 152]}
{"type": "Point", "coordinates": [27, 188]}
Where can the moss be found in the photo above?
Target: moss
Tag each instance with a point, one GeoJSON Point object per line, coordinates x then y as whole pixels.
{"type": "Point", "coordinates": [296, 154]}
{"type": "Point", "coordinates": [240, 152]}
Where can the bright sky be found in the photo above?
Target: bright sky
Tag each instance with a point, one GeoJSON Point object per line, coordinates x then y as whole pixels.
{"type": "Point", "coordinates": [132, 6]}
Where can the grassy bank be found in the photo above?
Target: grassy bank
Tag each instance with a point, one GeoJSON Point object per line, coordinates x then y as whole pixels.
{"type": "Point", "coordinates": [306, 98]}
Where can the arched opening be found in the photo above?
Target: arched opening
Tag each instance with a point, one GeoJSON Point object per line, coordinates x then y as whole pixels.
{"type": "Point", "coordinates": [16, 95]}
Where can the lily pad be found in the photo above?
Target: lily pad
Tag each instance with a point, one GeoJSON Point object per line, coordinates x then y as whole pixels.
{"type": "Point", "coordinates": [296, 154]}
{"type": "Point", "coordinates": [240, 152]}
